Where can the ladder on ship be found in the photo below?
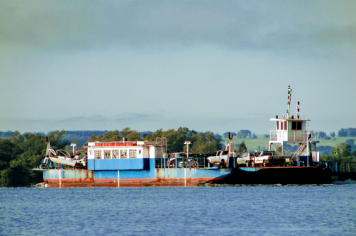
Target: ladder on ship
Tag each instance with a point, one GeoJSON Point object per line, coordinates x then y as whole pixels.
{"type": "Point", "coordinates": [300, 150]}
{"type": "Point", "coordinates": [276, 150]}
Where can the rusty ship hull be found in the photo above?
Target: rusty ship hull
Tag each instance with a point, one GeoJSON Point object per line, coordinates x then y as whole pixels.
{"type": "Point", "coordinates": [150, 175]}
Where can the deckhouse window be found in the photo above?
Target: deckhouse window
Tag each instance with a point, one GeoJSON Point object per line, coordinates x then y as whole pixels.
{"type": "Point", "coordinates": [282, 125]}
{"type": "Point", "coordinates": [296, 125]}
{"type": "Point", "coordinates": [277, 124]}
{"type": "Point", "coordinates": [107, 154]}
{"type": "Point", "coordinates": [98, 154]}
{"type": "Point", "coordinates": [115, 154]}
{"type": "Point", "coordinates": [285, 125]}
{"type": "Point", "coordinates": [123, 153]}
{"type": "Point", "coordinates": [299, 125]}
{"type": "Point", "coordinates": [133, 153]}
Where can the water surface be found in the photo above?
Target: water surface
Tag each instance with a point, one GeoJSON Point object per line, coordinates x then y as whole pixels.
{"type": "Point", "coordinates": [263, 210]}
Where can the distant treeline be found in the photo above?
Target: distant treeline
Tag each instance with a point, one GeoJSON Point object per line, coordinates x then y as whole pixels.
{"type": "Point", "coordinates": [350, 132]}
{"type": "Point", "coordinates": [8, 134]}
{"type": "Point", "coordinates": [241, 134]}
{"type": "Point", "coordinates": [82, 136]}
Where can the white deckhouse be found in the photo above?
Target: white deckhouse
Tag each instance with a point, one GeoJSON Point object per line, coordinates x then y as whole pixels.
{"type": "Point", "coordinates": [294, 130]}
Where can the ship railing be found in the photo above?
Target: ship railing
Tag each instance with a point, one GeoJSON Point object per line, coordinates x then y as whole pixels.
{"type": "Point", "coordinates": [181, 162]}
{"type": "Point", "coordinates": [314, 135]}
{"type": "Point", "coordinates": [273, 135]}
{"type": "Point", "coordinates": [339, 167]}
{"type": "Point", "coordinates": [293, 136]}
{"type": "Point", "coordinates": [160, 163]}
{"type": "Point", "coordinates": [280, 135]}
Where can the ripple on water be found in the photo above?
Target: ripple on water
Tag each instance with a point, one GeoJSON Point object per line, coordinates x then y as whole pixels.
{"type": "Point", "coordinates": [246, 210]}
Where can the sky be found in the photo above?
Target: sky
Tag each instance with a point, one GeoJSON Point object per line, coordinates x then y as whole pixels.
{"type": "Point", "coordinates": [207, 65]}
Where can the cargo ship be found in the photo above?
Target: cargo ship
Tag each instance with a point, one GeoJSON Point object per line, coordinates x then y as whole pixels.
{"type": "Point", "coordinates": [129, 164]}
{"type": "Point", "coordinates": [147, 163]}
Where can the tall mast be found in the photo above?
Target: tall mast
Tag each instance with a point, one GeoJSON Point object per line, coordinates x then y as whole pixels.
{"type": "Point", "coordinates": [289, 99]}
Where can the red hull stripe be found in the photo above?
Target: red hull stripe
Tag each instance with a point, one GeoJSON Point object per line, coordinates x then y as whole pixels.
{"type": "Point", "coordinates": [143, 180]}
{"type": "Point", "coordinates": [70, 180]}
{"type": "Point", "coordinates": [130, 180]}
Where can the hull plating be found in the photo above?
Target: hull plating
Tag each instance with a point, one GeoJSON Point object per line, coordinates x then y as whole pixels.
{"type": "Point", "coordinates": [133, 178]}
{"type": "Point", "coordinates": [184, 176]}
{"type": "Point", "coordinates": [155, 177]}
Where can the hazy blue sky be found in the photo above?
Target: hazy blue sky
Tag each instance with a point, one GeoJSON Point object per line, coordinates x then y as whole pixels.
{"type": "Point", "coordinates": [206, 65]}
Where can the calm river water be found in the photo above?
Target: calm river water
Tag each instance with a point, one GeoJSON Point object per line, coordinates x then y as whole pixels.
{"type": "Point", "coordinates": [263, 210]}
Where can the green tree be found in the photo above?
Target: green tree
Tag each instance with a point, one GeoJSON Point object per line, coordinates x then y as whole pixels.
{"type": "Point", "coordinates": [92, 138]}
{"type": "Point", "coordinates": [125, 131]}
{"type": "Point", "coordinates": [55, 138]}
{"type": "Point", "coordinates": [200, 142]}
{"type": "Point", "coordinates": [6, 153]}
{"type": "Point", "coordinates": [243, 134]}
{"type": "Point", "coordinates": [36, 143]}
{"type": "Point", "coordinates": [130, 135]}
{"type": "Point", "coordinates": [17, 138]}
{"type": "Point", "coordinates": [341, 151]}
{"type": "Point", "coordinates": [342, 133]}
{"type": "Point", "coordinates": [208, 147]}
{"type": "Point", "coordinates": [100, 138]}
{"type": "Point", "coordinates": [18, 156]}
{"type": "Point", "coordinates": [112, 136]}
{"type": "Point", "coordinates": [183, 130]}
{"type": "Point", "coordinates": [133, 136]}
{"type": "Point", "coordinates": [242, 147]}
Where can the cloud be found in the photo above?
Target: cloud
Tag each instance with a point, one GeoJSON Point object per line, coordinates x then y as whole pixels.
{"type": "Point", "coordinates": [48, 25]}
{"type": "Point", "coordinates": [119, 118]}
{"type": "Point", "coordinates": [337, 36]}
{"type": "Point", "coordinates": [135, 117]}
{"type": "Point", "coordinates": [90, 122]}
{"type": "Point", "coordinates": [233, 24]}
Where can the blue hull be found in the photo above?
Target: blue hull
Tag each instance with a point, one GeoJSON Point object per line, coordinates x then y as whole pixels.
{"type": "Point", "coordinates": [138, 173]}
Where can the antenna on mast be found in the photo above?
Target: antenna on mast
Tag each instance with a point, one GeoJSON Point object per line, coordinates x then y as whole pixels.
{"type": "Point", "coordinates": [289, 99]}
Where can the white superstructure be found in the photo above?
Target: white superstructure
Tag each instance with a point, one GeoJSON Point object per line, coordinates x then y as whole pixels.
{"type": "Point", "coordinates": [293, 130]}
{"type": "Point", "coordinates": [125, 150]}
